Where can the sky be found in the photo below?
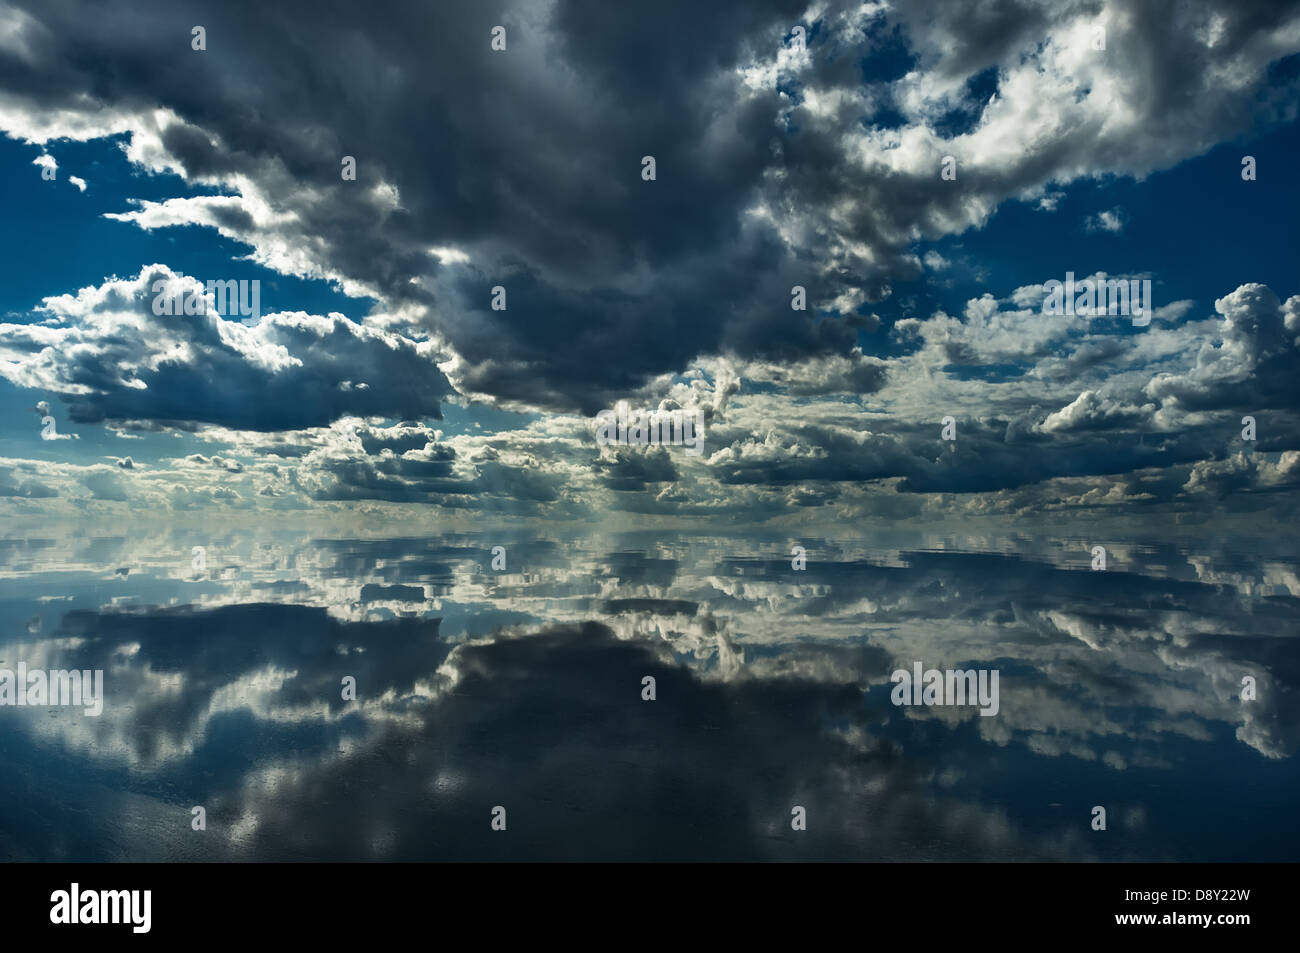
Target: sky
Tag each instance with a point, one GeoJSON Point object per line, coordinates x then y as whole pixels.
{"type": "Point", "coordinates": [921, 170]}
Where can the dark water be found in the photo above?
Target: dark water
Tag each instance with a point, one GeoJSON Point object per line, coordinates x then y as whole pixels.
{"type": "Point", "coordinates": [523, 689]}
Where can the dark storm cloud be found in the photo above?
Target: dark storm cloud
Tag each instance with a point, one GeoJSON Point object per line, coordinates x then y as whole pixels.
{"type": "Point", "coordinates": [988, 455]}
{"type": "Point", "coordinates": [981, 33]}
{"type": "Point", "coordinates": [114, 359]}
{"type": "Point", "coordinates": [1081, 400]}
{"type": "Point", "coordinates": [385, 478]}
{"type": "Point", "coordinates": [399, 440]}
{"type": "Point", "coordinates": [526, 163]}
{"type": "Point", "coordinates": [532, 166]}
{"type": "Point", "coordinates": [1157, 58]}
{"type": "Point", "coordinates": [522, 169]}
{"type": "Point", "coordinates": [1253, 365]}
{"type": "Point", "coordinates": [635, 470]}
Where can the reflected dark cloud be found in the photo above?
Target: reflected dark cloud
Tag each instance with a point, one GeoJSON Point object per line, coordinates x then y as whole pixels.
{"type": "Point", "coordinates": [551, 726]}
{"type": "Point", "coordinates": [523, 688]}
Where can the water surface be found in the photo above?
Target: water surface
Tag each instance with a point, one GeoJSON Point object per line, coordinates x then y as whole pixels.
{"type": "Point", "coordinates": [522, 688]}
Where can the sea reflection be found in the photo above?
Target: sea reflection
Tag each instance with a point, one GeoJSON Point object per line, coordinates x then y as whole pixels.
{"type": "Point", "coordinates": [522, 688]}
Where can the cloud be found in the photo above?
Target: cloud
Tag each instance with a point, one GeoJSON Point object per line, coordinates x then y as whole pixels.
{"type": "Point", "coordinates": [1112, 220]}
{"type": "Point", "coordinates": [1241, 473]}
{"type": "Point", "coordinates": [111, 359]}
{"type": "Point", "coordinates": [1089, 411]}
{"type": "Point", "coordinates": [1052, 413]}
{"type": "Point", "coordinates": [1250, 365]}
{"type": "Point", "coordinates": [15, 483]}
{"type": "Point", "coordinates": [767, 178]}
